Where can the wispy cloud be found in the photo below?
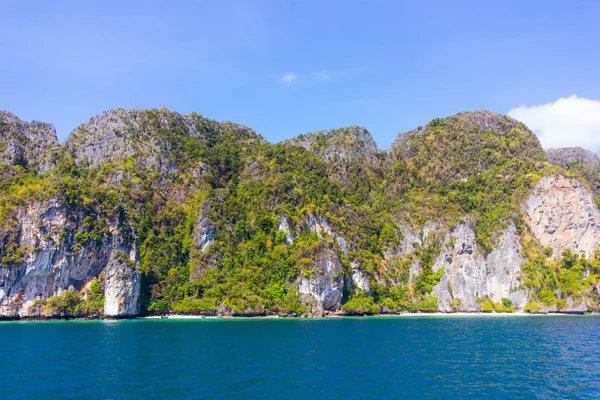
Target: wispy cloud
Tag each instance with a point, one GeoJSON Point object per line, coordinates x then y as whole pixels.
{"type": "Point", "coordinates": [289, 78]}
{"type": "Point", "coordinates": [571, 121]}
{"type": "Point", "coordinates": [322, 76]}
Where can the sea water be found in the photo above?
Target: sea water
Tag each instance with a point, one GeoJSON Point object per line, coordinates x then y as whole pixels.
{"type": "Point", "coordinates": [546, 357]}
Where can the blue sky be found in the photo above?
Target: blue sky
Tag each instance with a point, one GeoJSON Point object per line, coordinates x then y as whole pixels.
{"type": "Point", "coordinates": [285, 67]}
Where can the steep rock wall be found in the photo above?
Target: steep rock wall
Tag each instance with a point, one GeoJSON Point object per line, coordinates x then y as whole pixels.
{"type": "Point", "coordinates": [470, 276]}
{"type": "Point", "coordinates": [562, 215]}
{"type": "Point", "coordinates": [53, 262]}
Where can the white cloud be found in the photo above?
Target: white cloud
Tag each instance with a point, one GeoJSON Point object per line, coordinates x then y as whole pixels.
{"type": "Point", "coordinates": [289, 78]}
{"type": "Point", "coordinates": [567, 122]}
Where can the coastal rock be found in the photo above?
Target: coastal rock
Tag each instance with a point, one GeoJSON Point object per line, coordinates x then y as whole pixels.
{"type": "Point", "coordinates": [53, 258]}
{"type": "Point", "coordinates": [562, 215]}
{"type": "Point", "coordinates": [574, 306]}
{"type": "Point", "coordinates": [322, 287]}
{"type": "Point", "coordinates": [470, 276]}
{"type": "Point", "coordinates": [123, 282]}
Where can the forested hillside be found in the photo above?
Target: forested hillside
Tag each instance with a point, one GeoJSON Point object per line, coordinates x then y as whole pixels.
{"type": "Point", "coordinates": [151, 211]}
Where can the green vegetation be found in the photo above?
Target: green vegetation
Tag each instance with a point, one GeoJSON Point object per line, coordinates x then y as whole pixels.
{"type": "Point", "coordinates": [360, 303]}
{"type": "Point", "coordinates": [71, 303]}
{"type": "Point", "coordinates": [504, 306]}
{"type": "Point", "coordinates": [160, 171]}
{"type": "Point", "coordinates": [531, 307]}
{"type": "Point", "coordinates": [552, 281]}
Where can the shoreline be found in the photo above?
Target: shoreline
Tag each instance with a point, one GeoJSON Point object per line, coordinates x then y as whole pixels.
{"type": "Point", "coordinates": [329, 316]}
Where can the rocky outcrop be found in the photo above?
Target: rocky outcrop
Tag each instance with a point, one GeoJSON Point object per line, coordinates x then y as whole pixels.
{"type": "Point", "coordinates": [53, 259]}
{"type": "Point", "coordinates": [156, 138]}
{"type": "Point", "coordinates": [204, 231]}
{"type": "Point", "coordinates": [359, 278]}
{"type": "Point", "coordinates": [411, 240]}
{"type": "Point", "coordinates": [322, 287]}
{"type": "Point", "coordinates": [30, 145]}
{"type": "Point", "coordinates": [315, 224]}
{"type": "Point", "coordinates": [568, 156]}
{"type": "Point", "coordinates": [562, 215]}
{"type": "Point", "coordinates": [203, 237]}
{"type": "Point", "coordinates": [340, 145]}
{"type": "Point", "coordinates": [285, 227]}
{"type": "Point", "coordinates": [348, 152]}
{"type": "Point", "coordinates": [122, 281]}
{"type": "Point", "coordinates": [470, 276]}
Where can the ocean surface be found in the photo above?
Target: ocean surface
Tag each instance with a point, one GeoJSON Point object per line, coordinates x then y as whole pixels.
{"type": "Point", "coordinates": [545, 357]}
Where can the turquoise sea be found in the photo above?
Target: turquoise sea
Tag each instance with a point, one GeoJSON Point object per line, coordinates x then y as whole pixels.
{"type": "Point", "coordinates": [545, 357]}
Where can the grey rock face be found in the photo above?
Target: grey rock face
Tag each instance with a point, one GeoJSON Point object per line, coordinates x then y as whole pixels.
{"type": "Point", "coordinates": [204, 231]}
{"type": "Point", "coordinates": [53, 262]}
{"type": "Point", "coordinates": [123, 281]}
{"type": "Point", "coordinates": [574, 306]}
{"type": "Point", "coordinates": [411, 240]}
{"type": "Point", "coordinates": [358, 278]}
{"type": "Point", "coordinates": [203, 237]}
{"type": "Point", "coordinates": [571, 155]}
{"type": "Point", "coordinates": [122, 293]}
{"type": "Point", "coordinates": [28, 144]}
{"type": "Point", "coordinates": [285, 227]}
{"type": "Point", "coordinates": [152, 136]}
{"type": "Point", "coordinates": [315, 224]}
{"type": "Point", "coordinates": [469, 275]}
{"type": "Point", "coordinates": [323, 287]}
{"type": "Point", "coordinates": [562, 215]}
{"type": "Point", "coordinates": [343, 144]}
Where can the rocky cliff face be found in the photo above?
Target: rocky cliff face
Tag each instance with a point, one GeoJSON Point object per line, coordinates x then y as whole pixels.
{"type": "Point", "coordinates": [157, 138]}
{"type": "Point", "coordinates": [565, 157]}
{"type": "Point", "coordinates": [470, 276]}
{"type": "Point", "coordinates": [30, 145]}
{"type": "Point", "coordinates": [344, 144]}
{"type": "Point", "coordinates": [322, 287]}
{"type": "Point", "coordinates": [348, 151]}
{"type": "Point", "coordinates": [562, 215]}
{"type": "Point", "coordinates": [203, 237]}
{"type": "Point", "coordinates": [177, 195]}
{"type": "Point", "coordinates": [52, 259]}
{"type": "Point", "coordinates": [578, 162]}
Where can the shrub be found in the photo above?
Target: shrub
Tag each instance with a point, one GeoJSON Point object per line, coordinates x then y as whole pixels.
{"type": "Point", "coordinates": [531, 307]}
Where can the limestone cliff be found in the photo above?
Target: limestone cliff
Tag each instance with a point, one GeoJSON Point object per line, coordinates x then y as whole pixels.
{"type": "Point", "coordinates": [45, 255]}
{"type": "Point", "coordinates": [30, 145]}
{"type": "Point", "coordinates": [322, 286]}
{"type": "Point", "coordinates": [470, 276]}
{"type": "Point", "coordinates": [562, 215]}
{"type": "Point", "coordinates": [151, 211]}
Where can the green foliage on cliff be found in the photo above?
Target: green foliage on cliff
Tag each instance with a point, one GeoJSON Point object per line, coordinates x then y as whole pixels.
{"type": "Point", "coordinates": [155, 173]}
{"type": "Point", "coordinates": [551, 282]}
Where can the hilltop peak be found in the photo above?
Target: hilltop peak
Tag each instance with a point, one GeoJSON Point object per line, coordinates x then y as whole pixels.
{"type": "Point", "coordinates": [342, 144]}
{"type": "Point", "coordinates": [29, 144]}
{"type": "Point", "coordinates": [159, 136]}
{"type": "Point", "coordinates": [467, 143]}
{"type": "Point", "coordinates": [563, 157]}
